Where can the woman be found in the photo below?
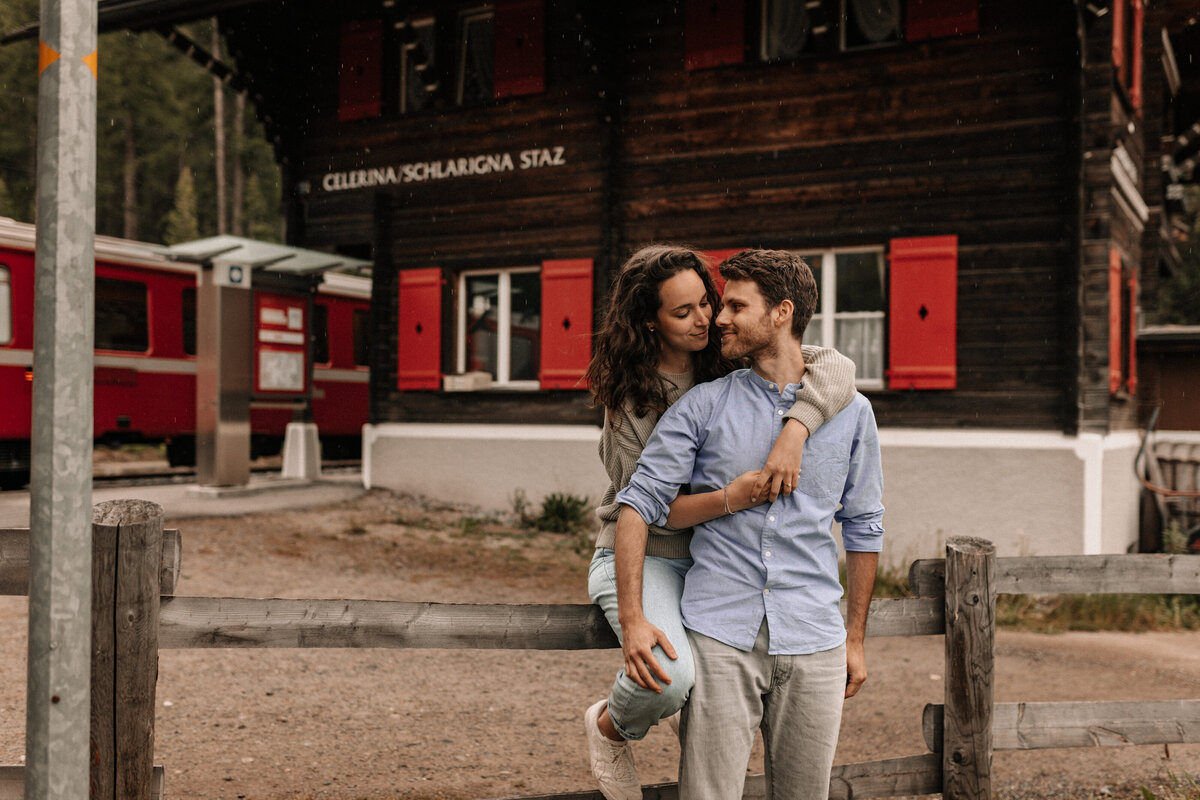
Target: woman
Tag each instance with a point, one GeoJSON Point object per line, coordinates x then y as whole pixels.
{"type": "Point", "coordinates": [656, 343]}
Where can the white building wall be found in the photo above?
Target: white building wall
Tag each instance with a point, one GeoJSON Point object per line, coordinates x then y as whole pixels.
{"type": "Point", "coordinates": [1032, 493]}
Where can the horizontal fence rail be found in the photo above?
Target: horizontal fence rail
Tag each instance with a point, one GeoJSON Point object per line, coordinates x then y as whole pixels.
{"type": "Point", "coordinates": [14, 561]}
{"type": "Point", "coordinates": [186, 622]}
{"type": "Point", "coordinates": [1040, 726]}
{"type": "Point", "coordinates": [1148, 573]}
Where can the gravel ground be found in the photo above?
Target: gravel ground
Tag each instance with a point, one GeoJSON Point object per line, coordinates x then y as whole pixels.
{"type": "Point", "coordinates": [351, 724]}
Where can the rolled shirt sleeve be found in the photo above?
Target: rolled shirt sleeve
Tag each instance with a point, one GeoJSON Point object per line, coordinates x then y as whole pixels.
{"type": "Point", "coordinates": [861, 514]}
{"type": "Point", "coordinates": [668, 460]}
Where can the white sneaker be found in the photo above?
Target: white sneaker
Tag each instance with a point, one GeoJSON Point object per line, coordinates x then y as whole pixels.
{"type": "Point", "coordinates": [673, 722]}
{"type": "Point", "coordinates": [611, 762]}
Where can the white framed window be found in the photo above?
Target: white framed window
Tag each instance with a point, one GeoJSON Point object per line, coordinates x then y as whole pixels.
{"type": "Point", "coordinates": [850, 308]}
{"type": "Point", "coordinates": [6, 326]}
{"type": "Point", "coordinates": [500, 324]}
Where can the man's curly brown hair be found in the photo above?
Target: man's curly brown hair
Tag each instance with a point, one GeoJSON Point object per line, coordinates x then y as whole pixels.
{"type": "Point", "coordinates": [780, 276]}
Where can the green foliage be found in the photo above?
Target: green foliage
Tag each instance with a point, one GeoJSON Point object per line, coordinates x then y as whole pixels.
{"type": "Point", "coordinates": [1178, 300]}
{"type": "Point", "coordinates": [7, 208]}
{"type": "Point", "coordinates": [562, 512]}
{"type": "Point", "coordinates": [1174, 540]}
{"type": "Point", "coordinates": [18, 101]}
{"type": "Point", "coordinates": [263, 220]}
{"type": "Point", "coordinates": [154, 118]}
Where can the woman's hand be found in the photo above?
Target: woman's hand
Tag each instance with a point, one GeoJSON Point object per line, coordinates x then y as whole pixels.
{"type": "Point", "coordinates": [779, 474]}
{"type": "Point", "coordinates": [637, 643]}
{"type": "Point", "coordinates": [740, 492]}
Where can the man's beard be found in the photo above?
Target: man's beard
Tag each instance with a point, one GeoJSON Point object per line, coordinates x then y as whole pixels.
{"type": "Point", "coordinates": [750, 343]}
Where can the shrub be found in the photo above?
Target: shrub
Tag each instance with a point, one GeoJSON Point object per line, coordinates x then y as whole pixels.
{"type": "Point", "coordinates": [562, 512]}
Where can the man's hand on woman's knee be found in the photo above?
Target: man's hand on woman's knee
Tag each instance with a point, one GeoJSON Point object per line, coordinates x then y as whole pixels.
{"type": "Point", "coordinates": [639, 638]}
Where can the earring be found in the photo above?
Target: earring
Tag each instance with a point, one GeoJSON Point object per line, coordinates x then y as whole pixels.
{"type": "Point", "coordinates": [650, 325]}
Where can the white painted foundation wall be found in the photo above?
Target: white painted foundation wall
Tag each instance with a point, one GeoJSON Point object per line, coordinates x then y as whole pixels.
{"type": "Point", "coordinates": [1032, 493]}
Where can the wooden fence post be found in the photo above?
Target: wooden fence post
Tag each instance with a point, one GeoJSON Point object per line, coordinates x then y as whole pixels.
{"type": "Point", "coordinates": [970, 668]}
{"type": "Point", "coordinates": [126, 563]}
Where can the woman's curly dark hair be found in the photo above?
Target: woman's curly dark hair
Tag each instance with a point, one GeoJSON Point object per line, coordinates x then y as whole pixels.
{"type": "Point", "coordinates": [625, 360]}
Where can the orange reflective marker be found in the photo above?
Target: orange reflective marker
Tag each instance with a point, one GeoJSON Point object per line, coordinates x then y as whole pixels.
{"type": "Point", "coordinates": [47, 55]}
{"type": "Point", "coordinates": [92, 61]}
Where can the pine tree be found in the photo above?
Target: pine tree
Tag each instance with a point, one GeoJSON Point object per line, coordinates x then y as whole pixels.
{"type": "Point", "coordinates": [263, 221]}
{"type": "Point", "coordinates": [181, 222]}
{"type": "Point", "coordinates": [6, 201]}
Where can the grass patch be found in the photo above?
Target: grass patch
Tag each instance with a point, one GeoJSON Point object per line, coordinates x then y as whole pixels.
{"type": "Point", "coordinates": [1178, 787]}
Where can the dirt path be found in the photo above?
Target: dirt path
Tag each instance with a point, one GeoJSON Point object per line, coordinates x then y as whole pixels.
{"type": "Point", "coordinates": [351, 724]}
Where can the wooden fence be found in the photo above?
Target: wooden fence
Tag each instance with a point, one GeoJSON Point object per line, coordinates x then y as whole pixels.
{"type": "Point", "coordinates": [955, 597]}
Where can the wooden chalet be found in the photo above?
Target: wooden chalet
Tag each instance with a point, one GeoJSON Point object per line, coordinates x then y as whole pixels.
{"type": "Point", "coordinates": [979, 186]}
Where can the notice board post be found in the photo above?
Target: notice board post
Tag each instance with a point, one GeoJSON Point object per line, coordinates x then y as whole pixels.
{"type": "Point", "coordinates": [224, 314]}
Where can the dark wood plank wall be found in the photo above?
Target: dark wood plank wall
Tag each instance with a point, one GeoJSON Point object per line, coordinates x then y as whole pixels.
{"type": "Point", "coordinates": [974, 136]}
{"type": "Point", "coordinates": [1107, 120]}
{"type": "Point", "coordinates": [966, 136]}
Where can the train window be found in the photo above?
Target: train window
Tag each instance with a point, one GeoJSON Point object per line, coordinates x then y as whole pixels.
{"type": "Point", "coordinates": [122, 320]}
{"type": "Point", "coordinates": [500, 323]}
{"type": "Point", "coordinates": [851, 313]}
{"type": "Point", "coordinates": [475, 58]}
{"type": "Point", "coordinates": [6, 326]}
{"type": "Point", "coordinates": [320, 334]}
{"type": "Point", "coordinates": [188, 316]}
{"type": "Point", "coordinates": [362, 337]}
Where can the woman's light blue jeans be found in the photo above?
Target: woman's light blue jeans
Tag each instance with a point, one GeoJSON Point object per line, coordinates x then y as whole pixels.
{"type": "Point", "coordinates": [634, 710]}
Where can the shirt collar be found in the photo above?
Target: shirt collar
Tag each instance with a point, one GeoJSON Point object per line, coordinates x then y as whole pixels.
{"type": "Point", "coordinates": [770, 386]}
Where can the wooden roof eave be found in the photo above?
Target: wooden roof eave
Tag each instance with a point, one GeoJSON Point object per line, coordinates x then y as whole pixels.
{"type": "Point", "coordinates": [136, 15]}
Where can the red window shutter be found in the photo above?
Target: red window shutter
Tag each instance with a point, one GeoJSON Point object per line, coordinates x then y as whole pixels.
{"type": "Point", "coordinates": [714, 33]}
{"type": "Point", "coordinates": [566, 323]}
{"type": "Point", "coordinates": [935, 19]}
{"type": "Point", "coordinates": [1118, 39]}
{"type": "Point", "coordinates": [923, 316]}
{"type": "Point", "coordinates": [519, 48]}
{"type": "Point", "coordinates": [419, 360]}
{"type": "Point", "coordinates": [1131, 380]}
{"type": "Point", "coordinates": [359, 80]}
{"type": "Point", "coordinates": [715, 257]}
{"type": "Point", "coordinates": [1135, 67]}
{"type": "Point", "coordinates": [1114, 321]}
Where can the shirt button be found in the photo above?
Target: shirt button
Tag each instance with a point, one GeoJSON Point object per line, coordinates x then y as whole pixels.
{"type": "Point", "coordinates": [767, 554]}
{"type": "Point", "coordinates": [766, 591]}
{"type": "Point", "coordinates": [781, 412]}
{"type": "Point", "coordinates": [771, 386]}
{"type": "Point", "coordinates": [771, 518]}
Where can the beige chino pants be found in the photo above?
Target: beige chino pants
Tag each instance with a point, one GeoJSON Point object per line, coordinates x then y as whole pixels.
{"type": "Point", "coordinates": [795, 700]}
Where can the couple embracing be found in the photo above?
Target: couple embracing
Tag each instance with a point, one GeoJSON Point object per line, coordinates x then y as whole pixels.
{"type": "Point", "coordinates": [731, 449]}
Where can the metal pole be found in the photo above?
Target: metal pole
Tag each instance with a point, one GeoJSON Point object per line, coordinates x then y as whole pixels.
{"type": "Point", "coordinates": [59, 668]}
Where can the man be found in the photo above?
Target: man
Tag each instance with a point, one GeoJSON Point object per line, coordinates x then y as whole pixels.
{"type": "Point", "coordinates": [761, 603]}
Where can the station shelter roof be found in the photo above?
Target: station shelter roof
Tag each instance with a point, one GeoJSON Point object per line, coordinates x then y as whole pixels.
{"type": "Point", "coordinates": [256, 255]}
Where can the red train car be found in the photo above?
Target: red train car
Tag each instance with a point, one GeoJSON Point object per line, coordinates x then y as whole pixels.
{"type": "Point", "coordinates": [145, 359]}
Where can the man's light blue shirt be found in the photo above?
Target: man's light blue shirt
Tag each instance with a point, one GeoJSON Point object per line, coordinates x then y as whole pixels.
{"type": "Point", "coordinates": [777, 560]}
